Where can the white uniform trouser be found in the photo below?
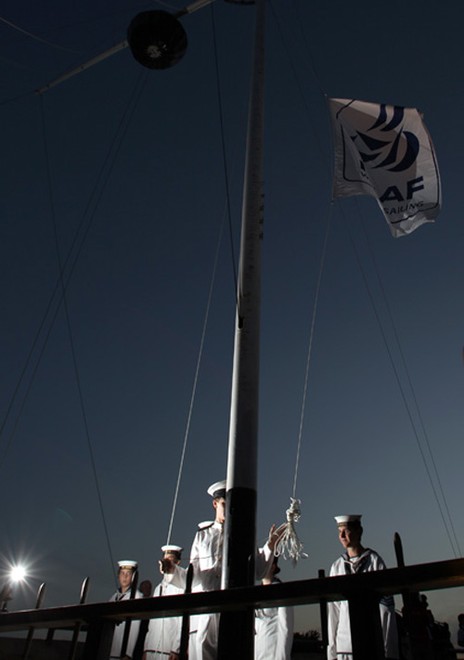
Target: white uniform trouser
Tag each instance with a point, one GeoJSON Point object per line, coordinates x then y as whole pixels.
{"type": "Point", "coordinates": [204, 642]}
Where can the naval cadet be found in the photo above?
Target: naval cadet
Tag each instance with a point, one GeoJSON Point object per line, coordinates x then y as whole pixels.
{"type": "Point", "coordinates": [357, 559]}
{"type": "Point", "coordinates": [163, 638]}
{"type": "Point", "coordinates": [273, 625]}
{"type": "Point", "coordinates": [126, 574]}
{"type": "Point", "coordinates": [206, 558]}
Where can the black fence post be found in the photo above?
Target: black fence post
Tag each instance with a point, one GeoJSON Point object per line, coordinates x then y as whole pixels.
{"type": "Point", "coordinates": [77, 627]}
{"type": "Point", "coordinates": [323, 614]}
{"type": "Point", "coordinates": [414, 633]}
{"type": "Point", "coordinates": [99, 639]}
{"type": "Point", "coordinates": [30, 634]}
{"type": "Point", "coordinates": [185, 629]}
{"type": "Point", "coordinates": [366, 629]}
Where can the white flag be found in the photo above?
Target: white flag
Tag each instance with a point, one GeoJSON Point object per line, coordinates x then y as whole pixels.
{"type": "Point", "coordinates": [385, 151]}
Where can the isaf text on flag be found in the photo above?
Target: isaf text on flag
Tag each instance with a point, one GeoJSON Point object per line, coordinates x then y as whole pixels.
{"type": "Point", "coordinates": [385, 151]}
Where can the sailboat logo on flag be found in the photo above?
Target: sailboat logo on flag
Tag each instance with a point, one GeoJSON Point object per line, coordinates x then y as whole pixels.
{"type": "Point", "coordinates": [385, 151]}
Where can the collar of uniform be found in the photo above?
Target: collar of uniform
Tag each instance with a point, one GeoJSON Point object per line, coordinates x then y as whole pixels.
{"type": "Point", "coordinates": [363, 554]}
{"type": "Point", "coordinates": [356, 562]}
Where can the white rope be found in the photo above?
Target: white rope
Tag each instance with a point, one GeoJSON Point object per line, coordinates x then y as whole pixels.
{"type": "Point", "coordinates": [289, 546]}
{"type": "Point", "coordinates": [226, 216]}
{"type": "Point", "coordinates": [194, 389]}
{"type": "Point", "coordinates": [310, 346]}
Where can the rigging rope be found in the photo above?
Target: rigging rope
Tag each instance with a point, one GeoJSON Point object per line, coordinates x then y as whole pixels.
{"type": "Point", "coordinates": [310, 346]}
{"type": "Point", "coordinates": [195, 382]}
{"type": "Point", "coordinates": [62, 282]}
{"type": "Point", "coordinates": [64, 299]}
{"type": "Point", "coordinates": [76, 247]}
{"type": "Point", "coordinates": [227, 215]}
{"type": "Point", "coordinates": [290, 545]}
{"type": "Point", "coordinates": [35, 37]}
{"type": "Point", "coordinates": [454, 545]}
{"type": "Point", "coordinates": [457, 548]}
{"type": "Point", "coordinates": [398, 380]}
{"type": "Point", "coordinates": [288, 51]}
{"type": "Point", "coordinates": [223, 145]}
{"type": "Point", "coordinates": [18, 28]}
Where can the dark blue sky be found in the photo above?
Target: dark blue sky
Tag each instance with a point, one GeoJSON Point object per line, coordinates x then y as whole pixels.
{"type": "Point", "coordinates": [146, 234]}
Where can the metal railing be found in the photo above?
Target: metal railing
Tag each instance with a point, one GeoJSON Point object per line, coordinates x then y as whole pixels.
{"type": "Point", "coordinates": [362, 591]}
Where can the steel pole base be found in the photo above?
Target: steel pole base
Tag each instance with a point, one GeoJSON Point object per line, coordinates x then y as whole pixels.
{"type": "Point", "coordinates": [236, 635]}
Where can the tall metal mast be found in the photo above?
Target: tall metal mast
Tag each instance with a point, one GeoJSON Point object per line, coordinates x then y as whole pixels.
{"type": "Point", "coordinates": [158, 41]}
{"type": "Point", "coordinates": [240, 523]}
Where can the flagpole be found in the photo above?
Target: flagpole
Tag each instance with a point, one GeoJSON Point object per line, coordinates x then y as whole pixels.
{"type": "Point", "coordinates": [240, 522]}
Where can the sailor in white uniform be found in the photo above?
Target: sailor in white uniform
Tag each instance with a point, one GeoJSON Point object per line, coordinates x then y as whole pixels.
{"type": "Point", "coordinates": [163, 636]}
{"type": "Point", "coordinates": [357, 559]}
{"type": "Point", "coordinates": [274, 626]}
{"type": "Point", "coordinates": [126, 572]}
{"type": "Point", "coordinates": [206, 558]}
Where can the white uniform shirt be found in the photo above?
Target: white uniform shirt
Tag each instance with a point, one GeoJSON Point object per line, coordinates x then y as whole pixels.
{"type": "Point", "coordinates": [119, 629]}
{"type": "Point", "coordinates": [274, 633]}
{"type": "Point", "coordinates": [206, 559]}
{"type": "Point", "coordinates": [163, 636]}
{"type": "Point", "coordinates": [339, 631]}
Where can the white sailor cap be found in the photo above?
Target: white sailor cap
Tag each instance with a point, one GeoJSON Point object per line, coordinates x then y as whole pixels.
{"type": "Point", "coordinates": [176, 549]}
{"type": "Point", "coordinates": [128, 563]}
{"type": "Point", "coordinates": [348, 518]}
{"type": "Point", "coordinates": [217, 489]}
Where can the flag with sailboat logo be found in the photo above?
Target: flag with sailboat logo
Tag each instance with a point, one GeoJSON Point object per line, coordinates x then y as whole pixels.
{"type": "Point", "coordinates": [385, 151]}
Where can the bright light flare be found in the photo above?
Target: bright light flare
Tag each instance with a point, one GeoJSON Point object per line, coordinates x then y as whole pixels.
{"type": "Point", "coordinates": [17, 573]}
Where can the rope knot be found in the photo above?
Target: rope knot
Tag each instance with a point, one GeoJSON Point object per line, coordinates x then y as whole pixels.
{"type": "Point", "coordinates": [294, 511]}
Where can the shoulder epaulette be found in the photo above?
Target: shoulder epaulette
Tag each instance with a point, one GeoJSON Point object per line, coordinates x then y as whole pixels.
{"type": "Point", "coordinates": [205, 524]}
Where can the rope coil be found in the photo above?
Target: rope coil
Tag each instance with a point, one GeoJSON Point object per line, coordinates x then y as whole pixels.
{"type": "Point", "coordinates": [290, 546]}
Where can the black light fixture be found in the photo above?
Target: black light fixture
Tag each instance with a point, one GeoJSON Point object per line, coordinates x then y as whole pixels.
{"type": "Point", "coordinates": [157, 39]}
